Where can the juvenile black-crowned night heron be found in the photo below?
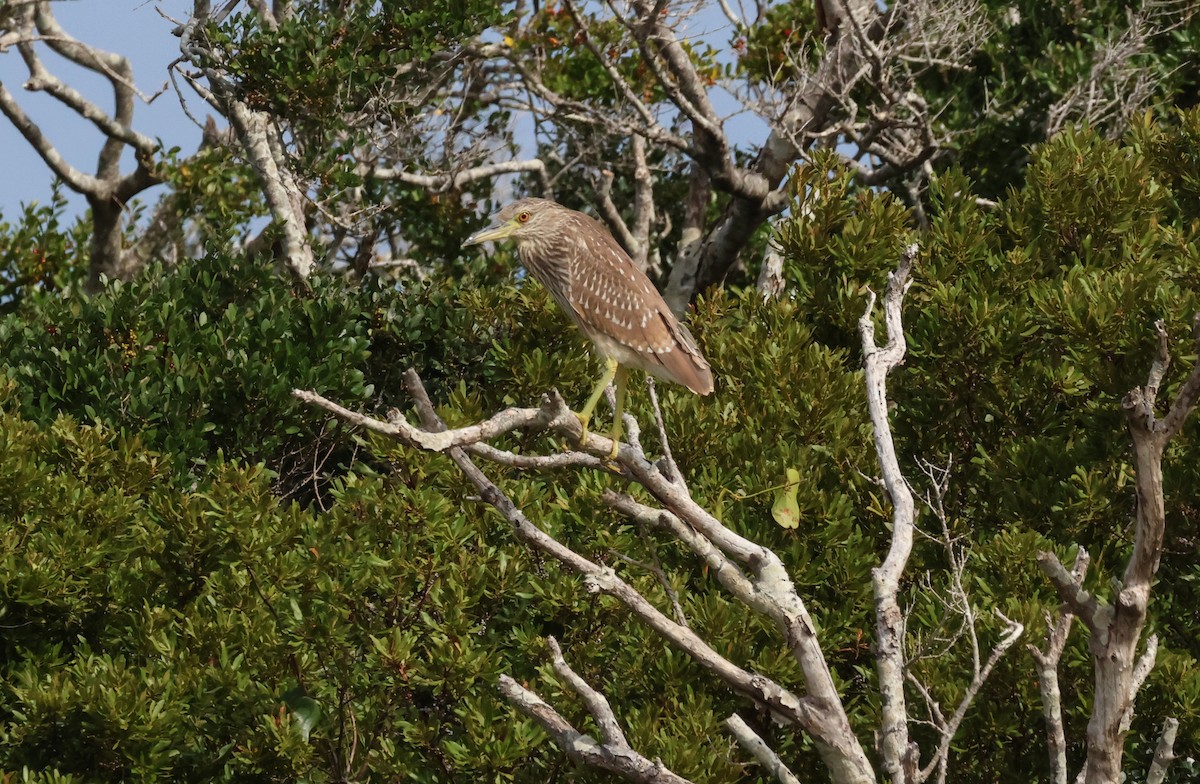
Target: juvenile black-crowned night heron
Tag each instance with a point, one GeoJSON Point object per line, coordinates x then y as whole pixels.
{"type": "Point", "coordinates": [606, 295]}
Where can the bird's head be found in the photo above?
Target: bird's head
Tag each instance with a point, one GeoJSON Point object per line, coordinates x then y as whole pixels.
{"type": "Point", "coordinates": [520, 220]}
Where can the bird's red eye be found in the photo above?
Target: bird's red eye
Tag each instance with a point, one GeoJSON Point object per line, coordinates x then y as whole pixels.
{"type": "Point", "coordinates": [523, 217]}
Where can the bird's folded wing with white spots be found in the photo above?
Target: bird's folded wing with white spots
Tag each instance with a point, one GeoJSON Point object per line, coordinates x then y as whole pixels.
{"type": "Point", "coordinates": [612, 298]}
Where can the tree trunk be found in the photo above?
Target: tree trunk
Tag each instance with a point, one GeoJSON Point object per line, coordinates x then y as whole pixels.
{"type": "Point", "coordinates": [106, 241]}
{"type": "Point", "coordinates": [1114, 645]}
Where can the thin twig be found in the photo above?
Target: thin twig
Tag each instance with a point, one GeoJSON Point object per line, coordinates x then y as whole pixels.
{"type": "Point", "coordinates": [672, 472]}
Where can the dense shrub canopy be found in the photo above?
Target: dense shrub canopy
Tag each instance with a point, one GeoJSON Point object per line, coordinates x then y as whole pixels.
{"type": "Point", "coordinates": [204, 580]}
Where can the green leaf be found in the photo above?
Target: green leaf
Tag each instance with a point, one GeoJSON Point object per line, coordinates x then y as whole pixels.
{"type": "Point", "coordinates": [786, 509]}
{"type": "Point", "coordinates": [305, 709]}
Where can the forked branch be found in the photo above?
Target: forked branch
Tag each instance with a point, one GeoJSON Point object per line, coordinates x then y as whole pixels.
{"type": "Point", "coordinates": [753, 573]}
{"type": "Point", "coordinates": [1116, 626]}
{"type": "Point", "coordinates": [1047, 668]}
{"type": "Point", "coordinates": [899, 755]}
{"type": "Point", "coordinates": [612, 752]}
{"type": "Point", "coordinates": [108, 191]}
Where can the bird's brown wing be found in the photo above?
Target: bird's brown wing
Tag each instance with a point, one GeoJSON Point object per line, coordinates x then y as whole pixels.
{"type": "Point", "coordinates": [612, 300]}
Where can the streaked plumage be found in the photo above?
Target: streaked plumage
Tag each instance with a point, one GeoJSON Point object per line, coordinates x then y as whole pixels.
{"type": "Point", "coordinates": [605, 294]}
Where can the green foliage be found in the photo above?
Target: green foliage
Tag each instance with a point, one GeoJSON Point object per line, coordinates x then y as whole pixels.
{"type": "Point", "coordinates": [1026, 327]}
{"type": "Point", "coordinates": [324, 60]}
{"type": "Point", "coordinates": [201, 361]}
{"type": "Point", "coordinates": [1053, 47]}
{"type": "Point", "coordinates": [39, 252]}
{"type": "Point", "coordinates": [397, 603]}
{"type": "Point", "coordinates": [196, 364]}
{"type": "Point", "coordinates": [344, 78]}
{"type": "Point", "coordinates": [996, 102]}
{"type": "Point", "coordinates": [572, 71]}
{"type": "Point", "coordinates": [171, 611]}
{"type": "Point", "coordinates": [153, 631]}
{"type": "Point", "coordinates": [765, 50]}
{"type": "Point", "coordinates": [216, 193]}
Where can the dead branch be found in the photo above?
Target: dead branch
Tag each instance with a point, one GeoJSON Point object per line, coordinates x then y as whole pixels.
{"type": "Point", "coordinates": [1047, 670]}
{"type": "Point", "coordinates": [613, 754]}
{"type": "Point", "coordinates": [899, 755]}
{"type": "Point", "coordinates": [752, 572]}
{"type": "Point", "coordinates": [1119, 83]}
{"type": "Point", "coordinates": [1076, 600]}
{"type": "Point", "coordinates": [667, 464]}
{"type": "Point", "coordinates": [1164, 753]}
{"type": "Point", "coordinates": [749, 740]}
{"type": "Point", "coordinates": [552, 412]}
{"type": "Point", "coordinates": [941, 757]}
{"type": "Point", "coordinates": [455, 180]}
{"type": "Point", "coordinates": [1116, 627]}
{"type": "Point", "coordinates": [260, 138]}
{"type": "Point", "coordinates": [612, 216]}
{"type": "Point", "coordinates": [960, 603]}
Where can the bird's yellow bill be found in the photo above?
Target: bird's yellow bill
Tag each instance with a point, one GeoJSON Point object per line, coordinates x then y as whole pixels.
{"type": "Point", "coordinates": [497, 231]}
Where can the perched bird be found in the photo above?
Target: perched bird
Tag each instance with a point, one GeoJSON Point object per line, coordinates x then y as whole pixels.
{"type": "Point", "coordinates": [605, 294]}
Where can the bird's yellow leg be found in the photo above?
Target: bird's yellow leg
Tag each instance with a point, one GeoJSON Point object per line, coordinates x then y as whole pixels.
{"type": "Point", "coordinates": [585, 416]}
{"type": "Point", "coordinates": [622, 376]}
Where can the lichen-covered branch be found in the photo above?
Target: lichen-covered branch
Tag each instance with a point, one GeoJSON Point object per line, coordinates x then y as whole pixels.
{"type": "Point", "coordinates": [898, 753]}
{"type": "Point", "coordinates": [260, 138]}
{"type": "Point", "coordinates": [284, 195]}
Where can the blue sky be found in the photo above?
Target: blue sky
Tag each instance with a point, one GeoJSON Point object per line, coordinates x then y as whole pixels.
{"type": "Point", "coordinates": [134, 28]}
{"type": "Point", "coordinates": [138, 30]}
